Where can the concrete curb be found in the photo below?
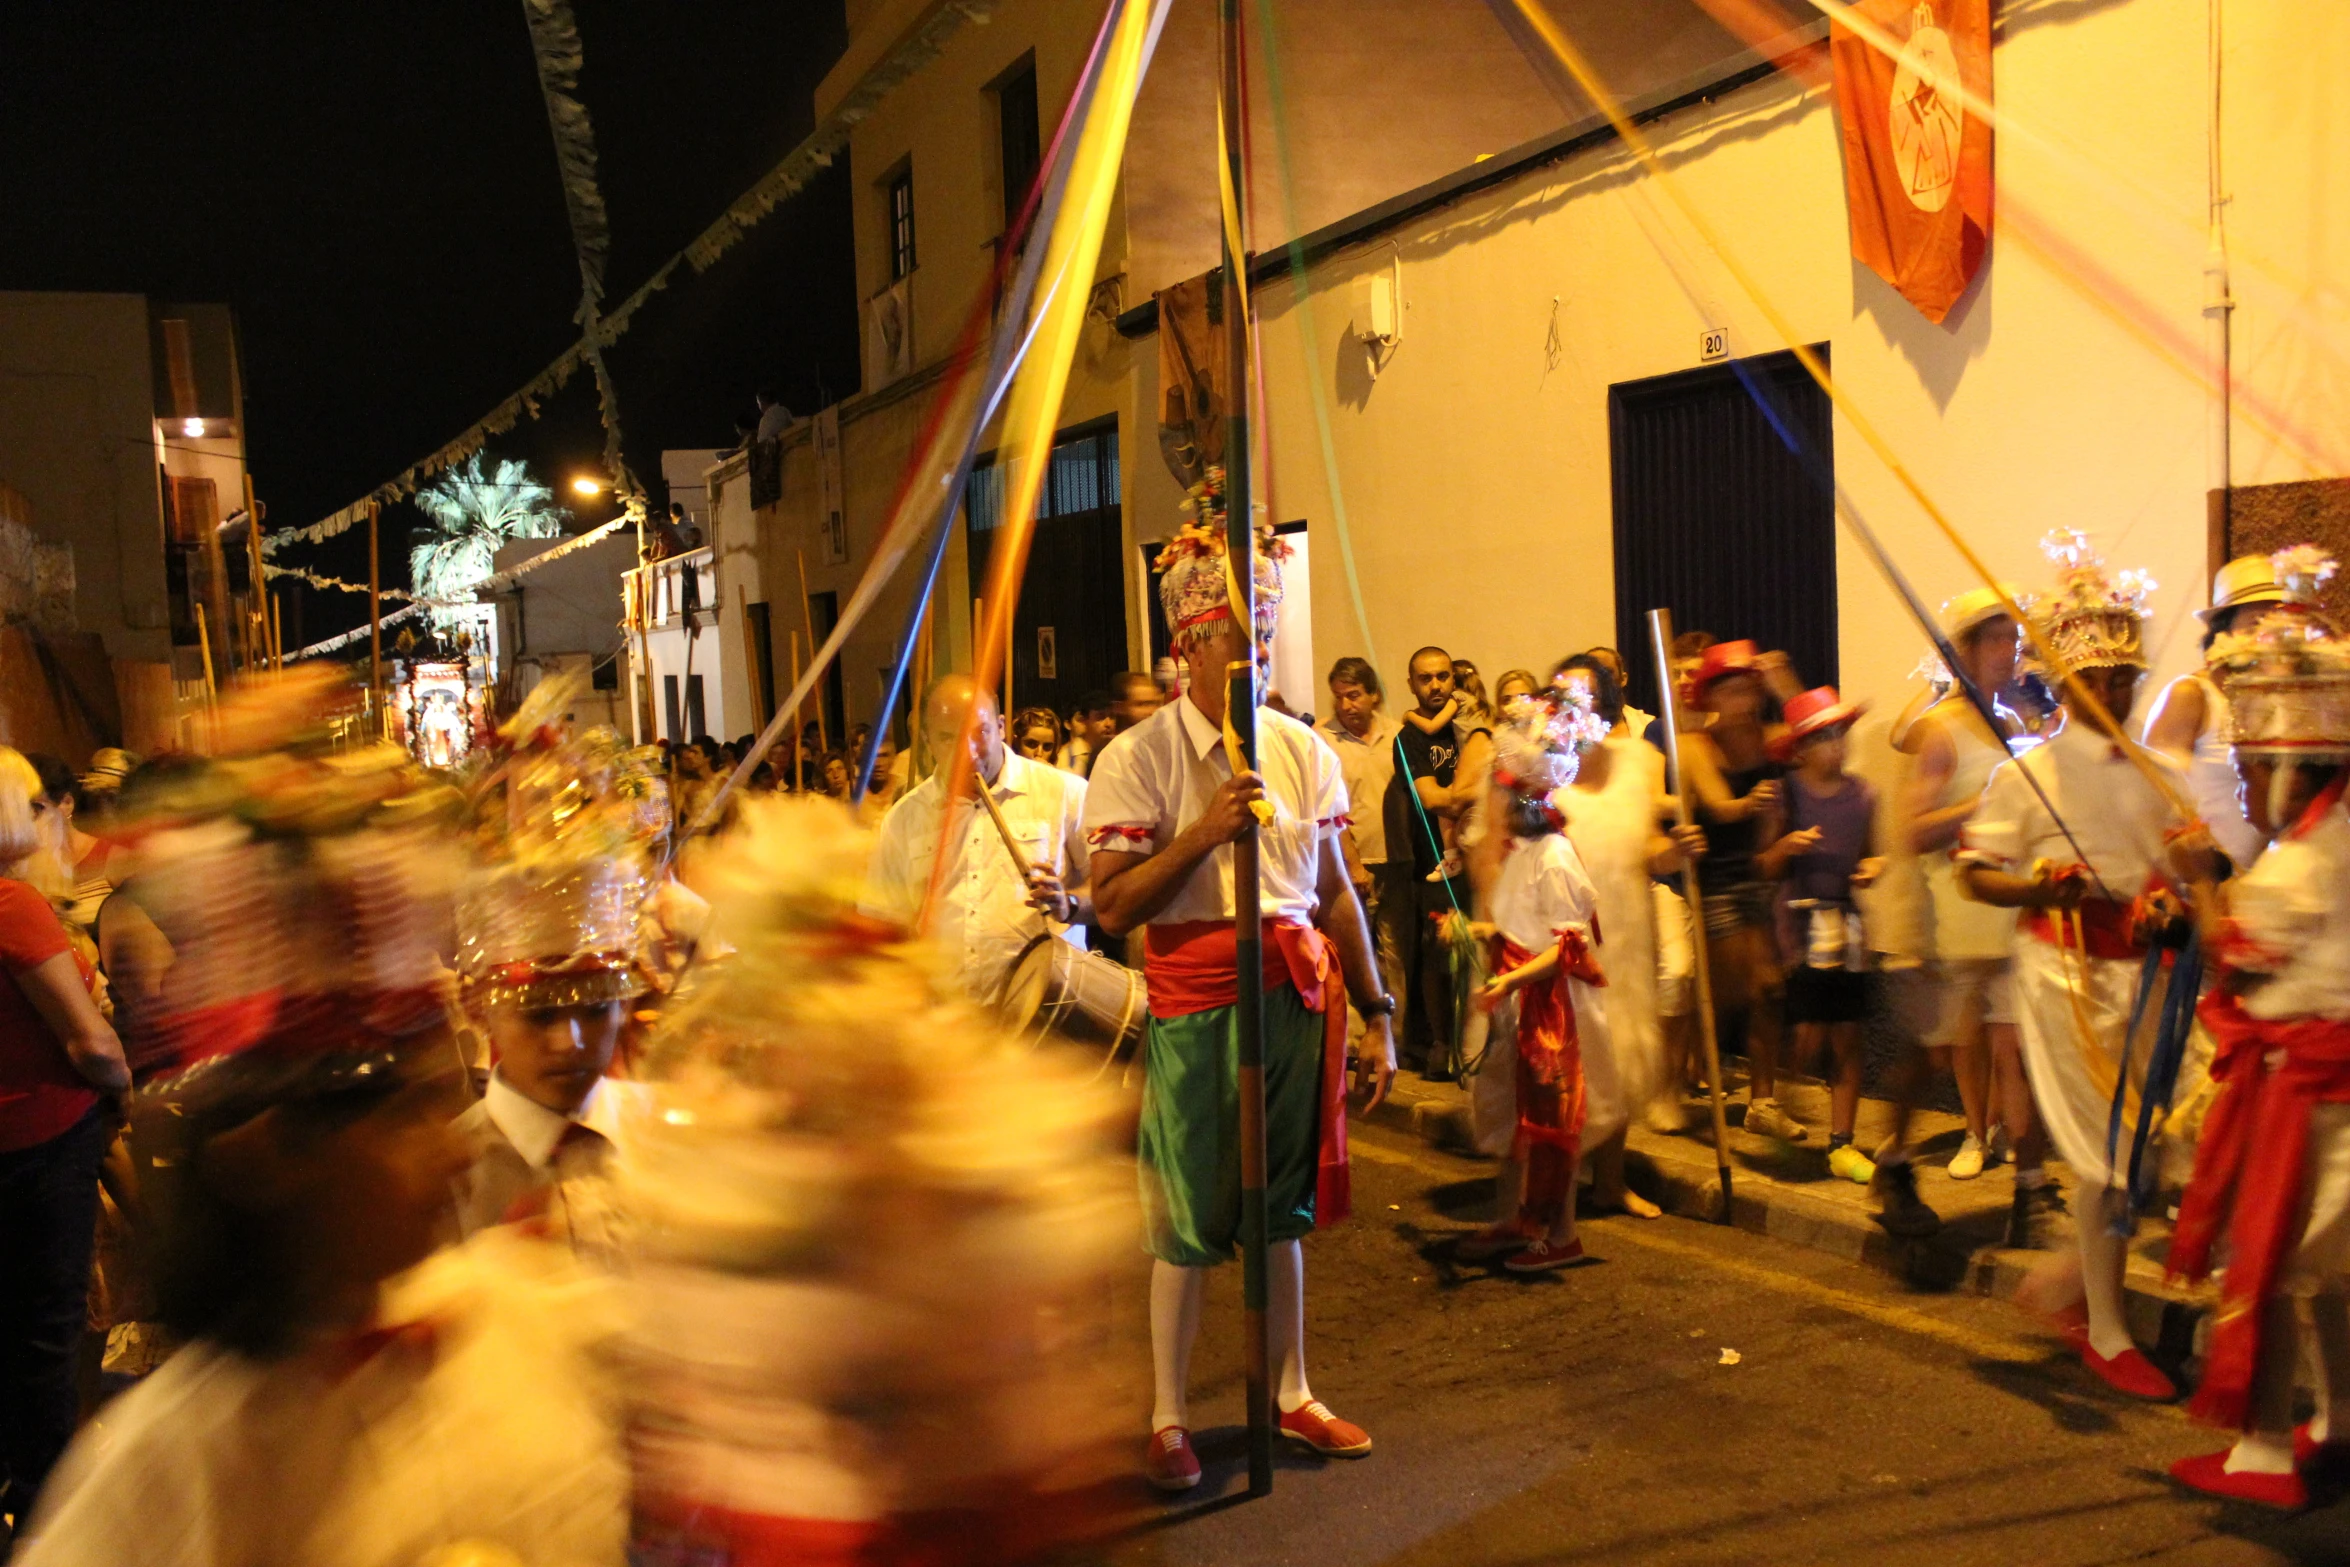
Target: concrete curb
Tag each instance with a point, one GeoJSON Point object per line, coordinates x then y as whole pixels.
{"type": "Point", "coordinates": [1679, 1174]}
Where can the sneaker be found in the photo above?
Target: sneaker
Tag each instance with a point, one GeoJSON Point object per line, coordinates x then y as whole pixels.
{"type": "Point", "coordinates": [1967, 1163]}
{"type": "Point", "coordinates": [1853, 1165]}
{"type": "Point", "coordinates": [1169, 1462]}
{"type": "Point", "coordinates": [1542, 1257]}
{"type": "Point", "coordinates": [2037, 1219]}
{"type": "Point", "coordinates": [1996, 1145]}
{"type": "Point", "coordinates": [1446, 868]}
{"type": "Point", "coordinates": [1313, 1424]}
{"type": "Point", "coordinates": [1899, 1207]}
{"type": "Point", "coordinates": [2132, 1373]}
{"type": "Point", "coordinates": [1482, 1245]}
{"type": "Point", "coordinates": [2209, 1474]}
{"type": "Point", "coordinates": [1764, 1118]}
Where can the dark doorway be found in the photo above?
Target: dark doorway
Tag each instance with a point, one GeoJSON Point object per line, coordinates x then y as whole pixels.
{"type": "Point", "coordinates": [669, 706]}
{"type": "Point", "coordinates": [1069, 633]}
{"type": "Point", "coordinates": [1724, 512]}
{"type": "Point", "coordinates": [762, 665]}
{"type": "Point", "coordinates": [824, 614]}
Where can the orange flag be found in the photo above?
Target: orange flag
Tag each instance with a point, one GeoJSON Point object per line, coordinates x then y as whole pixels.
{"type": "Point", "coordinates": [1917, 164]}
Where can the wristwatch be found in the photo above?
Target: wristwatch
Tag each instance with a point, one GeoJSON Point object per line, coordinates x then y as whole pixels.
{"type": "Point", "coordinates": [1384, 1006]}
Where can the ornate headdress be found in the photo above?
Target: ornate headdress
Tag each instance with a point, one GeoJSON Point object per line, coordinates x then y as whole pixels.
{"type": "Point", "coordinates": [2092, 620]}
{"type": "Point", "coordinates": [553, 915]}
{"type": "Point", "coordinates": [1539, 745]}
{"type": "Point", "coordinates": [2287, 679]}
{"type": "Point", "coordinates": [306, 893]}
{"type": "Point", "coordinates": [822, 1094]}
{"type": "Point", "coordinates": [1196, 583]}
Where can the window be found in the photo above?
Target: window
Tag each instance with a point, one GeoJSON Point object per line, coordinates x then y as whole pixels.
{"type": "Point", "coordinates": [1016, 130]}
{"type": "Point", "coordinates": [901, 224]}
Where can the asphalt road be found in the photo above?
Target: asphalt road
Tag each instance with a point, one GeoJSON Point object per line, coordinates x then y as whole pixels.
{"type": "Point", "coordinates": [1587, 1416]}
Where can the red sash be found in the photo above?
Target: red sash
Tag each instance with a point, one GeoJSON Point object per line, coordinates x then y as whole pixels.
{"type": "Point", "coordinates": [1193, 967]}
{"type": "Point", "coordinates": [2105, 929]}
{"type": "Point", "coordinates": [1550, 1049]}
{"type": "Point", "coordinates": [2248, 1178]}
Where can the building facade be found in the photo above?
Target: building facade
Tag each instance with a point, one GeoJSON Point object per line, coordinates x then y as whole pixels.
{"type": "Point", "coordinates": [1491, 387]}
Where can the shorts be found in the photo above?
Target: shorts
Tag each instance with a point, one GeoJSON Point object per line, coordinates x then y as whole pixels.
{"type": "Point", "coordinates": [1979, 987]}
{"type": "Point", "coordinates": [1739, 906]}
{"type": "Point", "coordinates": [1826, 995]}
{"type": "Point", "coordinates": [1676, 953]}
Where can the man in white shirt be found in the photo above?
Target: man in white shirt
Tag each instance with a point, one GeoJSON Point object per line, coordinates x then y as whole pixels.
{"type": "Point", "coordinates": [2092, 884]}
{"type": "Point", "coordinates": [1364, 739]}
{"type": "Point", "coordinates": [1164, 806]}
{"type": "Point", "coordinates": [986, 914]}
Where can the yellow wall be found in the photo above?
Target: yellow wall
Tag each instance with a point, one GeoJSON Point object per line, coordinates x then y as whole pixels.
{"type": "Point", "coordinates": [1477, 475]}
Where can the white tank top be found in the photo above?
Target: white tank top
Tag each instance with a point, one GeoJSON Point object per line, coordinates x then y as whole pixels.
{"type": "Point", "coordinates": [2211, 781]}
{"type": "Point", "coordinates": [1964, 928]}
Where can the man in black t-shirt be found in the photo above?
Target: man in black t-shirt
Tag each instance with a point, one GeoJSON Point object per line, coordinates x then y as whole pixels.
{"type": "Point", "coordinates": [1439, 766]}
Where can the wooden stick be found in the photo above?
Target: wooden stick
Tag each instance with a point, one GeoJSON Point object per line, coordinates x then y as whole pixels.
{"type": "Point", "coordinates": [1660, 634]}
{"type": "Point", "coordinates": [375, 623]}
{"type": "Point", "coordinates": [263, 647]}
{"type": "Point", "coordinates": [211, 686]}
{"type": "Point", "coordinates": [277, 635]}
{"type": "Point", "coordinates": [995, 814]}
{"type": "Point", "coordinates": [808, 618]}
{"type": "Point", "coordinates": [752, 673]}
{"type": "Point", "coordinates": [799, 764]}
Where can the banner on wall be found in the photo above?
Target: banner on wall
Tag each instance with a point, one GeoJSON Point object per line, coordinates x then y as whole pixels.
{"type": "Point", "coordinates": [1917, 162]}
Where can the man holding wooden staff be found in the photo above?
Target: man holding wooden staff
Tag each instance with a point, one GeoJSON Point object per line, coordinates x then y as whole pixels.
{"type": "Point", "coordinates": [1163, 808]}
{"type": "Point", "coordinates": [990, 907]}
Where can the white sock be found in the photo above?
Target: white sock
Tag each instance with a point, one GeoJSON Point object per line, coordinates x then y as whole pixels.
{"type": "Point", "coordinates": [2032, 1179]}
{"type": "Point", "coordinates": [2103, 1256]}
{"type": "Point", "coordinates": [1175, 1297]}
{"type": "Point", "coordinates": [1285, 1323]}
{"type": "Point", "coordinates": [2261, 1453]}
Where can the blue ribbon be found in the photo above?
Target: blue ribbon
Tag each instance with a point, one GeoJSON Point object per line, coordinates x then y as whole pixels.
{"type": "Point", "coordinates": [2169, 1052]}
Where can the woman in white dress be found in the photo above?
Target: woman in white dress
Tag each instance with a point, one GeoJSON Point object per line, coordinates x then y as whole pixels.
{"type": "Point", "coordinates": [1614, 812]}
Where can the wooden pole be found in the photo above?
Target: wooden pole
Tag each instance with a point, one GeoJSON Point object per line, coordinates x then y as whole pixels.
{"type": "Point", "coordinates": [799, 722]}
{"type": "Point", "coordinates": [808, 618]}
{"type": "Point", "coordinates": [277, 636]}
{"type": "Point", "coordinates": [375, 621]}
{"type": "Point", "coordinates": [995, 814]}
{"type": "Point", "coordinates": [264, 646]}
{"type": "Point", "coordinates": [211, 685]}
{"type": "Point", "coordinates": [1241, 716]}
{"type": "Point", "coordinates": [753, 675]}
{"type": "Point", "coordinates": [1660, 636]}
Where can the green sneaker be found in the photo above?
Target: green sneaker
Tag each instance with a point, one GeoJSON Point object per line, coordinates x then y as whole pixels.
{"type": "Point", "coordinates": [1853, 1165]}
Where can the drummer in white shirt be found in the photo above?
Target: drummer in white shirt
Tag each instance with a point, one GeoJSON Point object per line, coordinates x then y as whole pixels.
{"type": "Point", "coordinates": [986, 914]}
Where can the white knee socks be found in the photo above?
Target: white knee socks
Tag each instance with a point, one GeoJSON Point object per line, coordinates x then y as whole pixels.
{"type": "Point", "coordinates": [1175, 1303]}
{"type": "Point", "coordinates": [1175, 1295]}
{"type": "Point", "coordinates": [2103, 1256]}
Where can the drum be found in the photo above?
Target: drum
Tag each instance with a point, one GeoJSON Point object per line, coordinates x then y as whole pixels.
{"type": "Point", "coordinates": [1080, 996]}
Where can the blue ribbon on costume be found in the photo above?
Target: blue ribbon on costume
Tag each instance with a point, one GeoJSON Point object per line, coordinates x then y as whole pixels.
{"type": "Point", "coordinates": [2169, 1052]}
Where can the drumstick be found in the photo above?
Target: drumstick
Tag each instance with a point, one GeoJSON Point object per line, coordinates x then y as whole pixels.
{"type": "Point", "coordinates": [995, 814]}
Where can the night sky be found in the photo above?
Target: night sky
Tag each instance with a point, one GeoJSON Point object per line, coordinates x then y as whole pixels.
{"type": "Point", "coordinates": [373, 189]}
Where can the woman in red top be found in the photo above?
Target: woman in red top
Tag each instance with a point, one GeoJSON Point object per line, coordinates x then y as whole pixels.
{"type": "Point", "coordinates": [58, 1061]}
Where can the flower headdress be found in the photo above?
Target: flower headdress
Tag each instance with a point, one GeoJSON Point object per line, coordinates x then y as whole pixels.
{"type": "Point", "coordinates": [552, 915]}
{"type": "Point", "coordinates": [1196, 584]}
{"type": "Point", "coordinates": [2093, 620]}
{"type": "Point", "coordinates": [2287, 677]}
{"type": "Point", "coordinates": [1540, 744]}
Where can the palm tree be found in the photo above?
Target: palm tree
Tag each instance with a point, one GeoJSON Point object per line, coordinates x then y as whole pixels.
{"type": "Point", "coordinates": [469, 514]}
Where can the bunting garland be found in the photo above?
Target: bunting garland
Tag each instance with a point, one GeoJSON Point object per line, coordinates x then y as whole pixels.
{"type": "Point", "coordinates": [789, 176]}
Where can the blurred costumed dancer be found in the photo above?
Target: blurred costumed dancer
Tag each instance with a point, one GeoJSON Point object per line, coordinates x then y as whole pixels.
{"type": "Point", "coordinates": [868, 1235]}
{"type": "Point", "coordinates": [2272, 1170]}
{"type": "Point", "coordinates": [345, 1398]}
{"type": "Point", "coordinates": [1544, 993]}
{"type": "Point", "coordinates": [1163, 806]}
{"type": "Point", "coordinates": [553, 932]}
{"type": "Point", "coordinates": [2086, 927]}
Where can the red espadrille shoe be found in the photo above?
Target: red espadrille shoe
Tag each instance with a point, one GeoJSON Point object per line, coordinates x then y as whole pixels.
{"type": "Point", "coordinates": [2209, 1474]}
{"type": "Point", "coordinates": [1542, 1257]}
{"type": "Point", "coordinates": [1169, 1461]}
{"type": "Point", "coordinates": [2130, 1372]}
{"type": "Point", "coordinates": [1313, 1424]}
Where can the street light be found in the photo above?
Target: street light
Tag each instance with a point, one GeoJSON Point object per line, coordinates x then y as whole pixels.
{"type": "Point", "coordinates": [583, 485]}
